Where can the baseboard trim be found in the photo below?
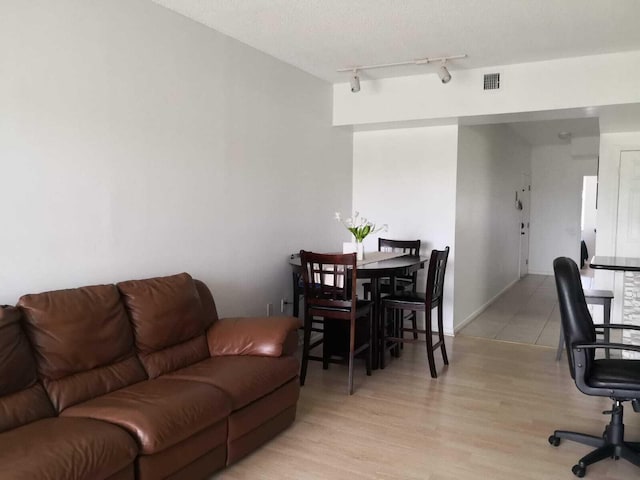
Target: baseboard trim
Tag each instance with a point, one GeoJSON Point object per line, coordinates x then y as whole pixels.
{"type": "Point", "coordinates": [535, 272]}
{"type": "Point", "coordinates": [486, 305]}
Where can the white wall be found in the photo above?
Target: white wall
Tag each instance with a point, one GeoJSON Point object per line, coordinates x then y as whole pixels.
{"type": "Point", "coordinates": [135, 142]}
{"type": "Point", "coordinates": [611, 145]}
{"type": "Point", "coordinates": [491, 163]}
{"type": "Point", "coordinates": [407, 179]}
{"type": "Point", "coordinates": [556, 202]}
{"type": "Point", "coordinates": [578, 82]}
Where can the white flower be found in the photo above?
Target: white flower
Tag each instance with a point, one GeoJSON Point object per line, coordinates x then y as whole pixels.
{"type": "Point", "coordinates": [360, 228]}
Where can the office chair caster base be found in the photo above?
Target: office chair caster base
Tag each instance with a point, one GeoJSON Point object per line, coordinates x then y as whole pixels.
{"type": "Point", "coordinates": [582, 438]}
{"type": "Point", "coordinates": [608, 446]}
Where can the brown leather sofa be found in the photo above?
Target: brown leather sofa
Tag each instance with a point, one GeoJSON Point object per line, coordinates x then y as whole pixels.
{"type": "Point", "coordinates": [139, 380]}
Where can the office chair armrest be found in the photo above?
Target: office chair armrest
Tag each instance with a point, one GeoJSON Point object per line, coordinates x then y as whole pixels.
{"type": "Point", "coordinates": [580, 364]}
{"type": "Point", "coordinates": [617, 326]}
{"type": "Point", "coordinates": [609, 346]}
{"type": "Point", "coordinates": [263, 336]}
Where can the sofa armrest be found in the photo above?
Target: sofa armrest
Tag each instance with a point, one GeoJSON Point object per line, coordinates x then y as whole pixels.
{"type": "Point", "coordinates": [261, 336]}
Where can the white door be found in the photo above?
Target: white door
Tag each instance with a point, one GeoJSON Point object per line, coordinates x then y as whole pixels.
{"type": "Point", "coordinates": [525, 200]}
{"type": "Point", "coordinates": [628, 230]}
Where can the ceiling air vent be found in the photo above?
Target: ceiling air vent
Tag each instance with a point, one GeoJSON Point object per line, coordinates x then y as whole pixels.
{"type": "Point", "coordinates": [492, 81]}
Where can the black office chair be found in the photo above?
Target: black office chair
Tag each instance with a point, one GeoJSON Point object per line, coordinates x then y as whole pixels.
{"type": "Point", "coordinates": [618, 379]}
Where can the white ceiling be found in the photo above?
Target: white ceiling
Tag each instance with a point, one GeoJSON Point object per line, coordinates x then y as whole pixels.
{"type": "Point", "coordinates": [545, 132]}
{"type": "Point", "coordinates": [320, 36]}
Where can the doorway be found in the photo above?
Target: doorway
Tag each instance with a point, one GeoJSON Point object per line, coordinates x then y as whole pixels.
{"type": "Point", "coordinates": [588, 218]}
{"type": "Point", "coordinates": [525, 208]}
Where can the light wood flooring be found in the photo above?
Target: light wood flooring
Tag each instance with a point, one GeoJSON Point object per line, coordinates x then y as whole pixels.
{"type": "Point", "coordinates": [487, 416]}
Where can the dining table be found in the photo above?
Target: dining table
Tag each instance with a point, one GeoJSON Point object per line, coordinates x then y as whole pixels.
{"type": "Point", "coordinates": [630, 268]}
{"type": "Point", "coordinates": [373, 267]}
{"type": "Point", "coordinates": [620, 264]}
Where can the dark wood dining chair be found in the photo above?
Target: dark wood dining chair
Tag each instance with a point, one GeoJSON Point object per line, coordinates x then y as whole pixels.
{"type": "Point", "coordinates": [330, 297]}
{"type": "Point", "coordinates": [402, 283]}
{"type": "Point", "coordinates": [410, 247]}
{"type": "Point", "coordinates": [392, 327]}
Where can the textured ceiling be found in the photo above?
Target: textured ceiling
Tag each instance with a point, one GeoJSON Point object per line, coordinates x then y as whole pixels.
{"type": "Point", "coordinates": [546, 132]}
{"type": "Point", "coordinates": [320, 36]}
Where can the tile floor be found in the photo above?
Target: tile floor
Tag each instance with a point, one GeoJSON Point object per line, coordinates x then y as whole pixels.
{"type": "Point", "coordinates": [526, 313]}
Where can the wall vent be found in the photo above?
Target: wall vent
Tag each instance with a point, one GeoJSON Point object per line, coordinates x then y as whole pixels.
{"type": "Point", "coordinates": [492, 81]}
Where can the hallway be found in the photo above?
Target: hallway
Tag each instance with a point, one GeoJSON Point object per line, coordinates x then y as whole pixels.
{"type": "Point", "coordinates": [526, 313]}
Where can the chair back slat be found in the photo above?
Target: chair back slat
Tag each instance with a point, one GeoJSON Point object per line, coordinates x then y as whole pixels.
{"type": "Point", "coordinates": [435, 274]}
{"type": "Point", "coordinates": [410, 247]}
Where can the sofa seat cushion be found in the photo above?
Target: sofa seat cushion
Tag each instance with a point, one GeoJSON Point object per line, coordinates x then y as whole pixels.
{"type": "Point", "coordinates": [24, 407]}
{"type": "Point", "coordinates": [260, 421]}
{"type": "Point", "coordinates": [244, 378]}
{"type": "Point", "coordinates": [69, 448]}
{"type": "Point", "coordinates": [158, 413]}
{"type": "Point", "coordinates": [247, 419]}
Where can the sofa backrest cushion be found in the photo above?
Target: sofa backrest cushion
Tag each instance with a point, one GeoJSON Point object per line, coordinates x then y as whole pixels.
{"type": "Point", "coordinates": [83, 343]}
{"type": "Point", "coordinates": [208, 304]}
{"type": "Point", "coordinates": [168, 321]}
{"type": "Point", "coordinates": [22, 397]}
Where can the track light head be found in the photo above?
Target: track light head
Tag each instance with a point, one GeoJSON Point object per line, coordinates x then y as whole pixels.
{"type": "Point", "coordinates": [355, 82]}
{"type": "Point", "coordinates": [443, 73]}
{"type": "Point", "coordinates": [564, 135]}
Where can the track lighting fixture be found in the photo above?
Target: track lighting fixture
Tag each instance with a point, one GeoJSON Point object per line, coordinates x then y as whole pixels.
{"type": "Point", "coordinates": [443, 72]}
{"type": "Point", "coordinates": [355, 81]}
{"type": "Point", "coordinates": [564, 135]}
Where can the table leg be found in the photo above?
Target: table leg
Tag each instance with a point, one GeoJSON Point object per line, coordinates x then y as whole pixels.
{"type": "Point", "coordinates": [606, 304]}
{"type": "Point", "coordinates": [296, 293]}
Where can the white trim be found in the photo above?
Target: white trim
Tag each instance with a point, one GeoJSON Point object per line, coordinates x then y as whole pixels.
{"type": "Point", "coordinates": [468, 320]}
{"type": "Point", "coordinates": [531, 272]}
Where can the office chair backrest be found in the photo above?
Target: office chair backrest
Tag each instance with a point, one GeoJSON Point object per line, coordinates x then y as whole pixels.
{"type": "Point", "coordinates": [435, 274]}
{"type": "Point", "coordinates": [577, 324]}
